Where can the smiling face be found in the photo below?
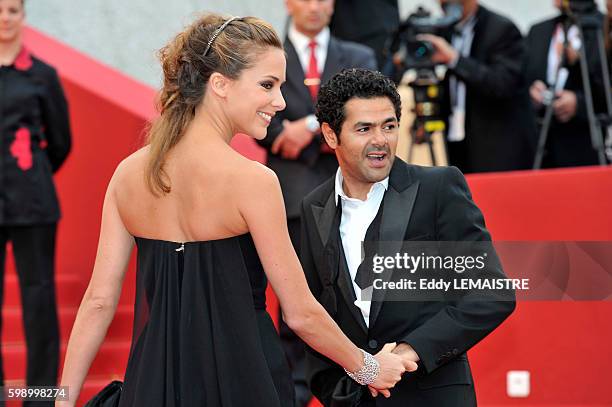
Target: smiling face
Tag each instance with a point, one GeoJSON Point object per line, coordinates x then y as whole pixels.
{"type": "Point", "coordinates": [255, 97]}
{"type": "Point", "coordinates": [366, 144]}
{"type": "Point", "coordinates": [12, 16]}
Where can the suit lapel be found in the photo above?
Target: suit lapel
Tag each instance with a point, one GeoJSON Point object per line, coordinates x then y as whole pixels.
{"type": "Point", "coordinates": [333, 61]}
{"type": "Point", "coordinates": [542, 47]}
{"type": "Point", "coordinates": [346, 287]}
{"type": "Point", "coordinates": [324, 217]}
{"type": "Point", "coordinates": [398, 204]}
{"type": "Point", "coordinates": [295, 72]}
{"type": "Point", "coordinates": [479, 31]}
{"type": "Point", "coordinates": [334, 261]}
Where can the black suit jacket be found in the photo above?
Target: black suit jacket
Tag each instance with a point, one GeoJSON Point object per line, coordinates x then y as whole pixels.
{"type": "Point", "coordinates": [426, 204]}
{"type": "Point", "coordinates": [299, 177]}
{"type": "Point", "coordinates": [500, 128]}
{"type": "Point", "coordinates": [367, 22]}
{"type": "Point", "coordinates": [569, 144]}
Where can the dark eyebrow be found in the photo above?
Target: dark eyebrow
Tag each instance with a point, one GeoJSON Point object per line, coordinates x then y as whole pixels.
{"type": "Point", "coordinates": [370, 124]}
{"type": "Point", "coordinates": [273, 78]}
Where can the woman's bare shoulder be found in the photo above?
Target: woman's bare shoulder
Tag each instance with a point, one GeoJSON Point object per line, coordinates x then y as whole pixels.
{"type": "Point", "coordinates": [256, 176]}
{"type": "Point", "coordinates": [130, 169]}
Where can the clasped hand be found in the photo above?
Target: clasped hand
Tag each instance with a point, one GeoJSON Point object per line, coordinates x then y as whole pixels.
{"type": "Point", "coordinates": [394, 361]}
{"type": "Point", "coordinates": [292, 140]}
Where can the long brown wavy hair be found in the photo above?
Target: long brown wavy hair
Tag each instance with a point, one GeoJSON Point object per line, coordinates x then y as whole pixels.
{"type": "Point", "coordinates": [186, 72]}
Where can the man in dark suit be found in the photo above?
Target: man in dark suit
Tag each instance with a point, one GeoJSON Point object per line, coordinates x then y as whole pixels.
{"type": "Point", "coordinates": [569, 139]}
{"type": "Point", "coordinates": [367, 22]}
{"type": "Point", "coordinates": [377, 197]}
{"type": "Point", "coordinates": [295, 151]}
{"type": "Point", "coordinates": [490, 125]}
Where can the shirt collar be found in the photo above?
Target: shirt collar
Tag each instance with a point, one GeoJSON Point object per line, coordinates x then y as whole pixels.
{"type": "Point", "coordinates": [339, 191]}
{"type": "Point", "coordinates": [300, 41]}
{"type": "Point", "coordinates": [466, 25]}
{"type": "Point", "coordinates": [23, 61]}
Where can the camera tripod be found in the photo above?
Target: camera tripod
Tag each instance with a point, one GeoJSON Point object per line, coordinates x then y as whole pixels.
{"type": "Point", "coordinates": [587, 21]}
{"type": "Point", "coordinates": [428, 94]}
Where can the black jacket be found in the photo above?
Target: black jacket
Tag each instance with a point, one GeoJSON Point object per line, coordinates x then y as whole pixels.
{"type": "Point", "coordinates": [34, 140]}
{"type": "Point", "coordinates": [499, 125]}
{"type": "Point", "coordinates": [568, 144]}
{"type": "Point", "coordinates": [366, 22]}
{"type": "Point", "coordinates": [299, 177]}
{"type": "Point", "coordinates": [420, 204]}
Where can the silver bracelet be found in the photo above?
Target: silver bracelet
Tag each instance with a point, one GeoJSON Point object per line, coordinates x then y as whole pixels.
{"type": "Point", "coordinates": [368, 373]}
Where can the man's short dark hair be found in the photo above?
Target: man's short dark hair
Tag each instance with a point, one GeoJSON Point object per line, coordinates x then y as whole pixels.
{"type": "Point", "coordinates": [353, 83]}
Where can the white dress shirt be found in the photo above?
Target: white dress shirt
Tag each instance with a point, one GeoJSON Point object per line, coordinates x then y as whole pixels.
{"type": "Point", "coordinates": [462, 42]}
{"type": "Point", "coordinates": [300, 43]}
{"type": "Point", "coordinates": [554, 58]}
{"type": "Point", "coordinates": [357, 215]}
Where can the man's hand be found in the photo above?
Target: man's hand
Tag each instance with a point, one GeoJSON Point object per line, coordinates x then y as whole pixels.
{"type": "Point", "coordinates": [406, 351]}
{"type": "Point", "coordinates": [409, 359]}
{"type": "Point", "coordinates": [292, 140]}
{"type": "Point", "coordinates": [445, 53]}
{"type": "Point", "coordinates": [565, 105]}
{"type": "Point", "coordinates": [536, 91]}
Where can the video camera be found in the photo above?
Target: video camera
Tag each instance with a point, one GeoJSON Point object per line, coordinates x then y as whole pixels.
{"type": "Point", "coordinates": [415, 53]}
{"type": "Point", "coordinates": [406, 51]}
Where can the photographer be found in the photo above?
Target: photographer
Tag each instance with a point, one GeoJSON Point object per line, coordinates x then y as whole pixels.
{"type": "Point", "coordinates": [551, 60]}
{"type": "Point", "coordinates": [490, 126]}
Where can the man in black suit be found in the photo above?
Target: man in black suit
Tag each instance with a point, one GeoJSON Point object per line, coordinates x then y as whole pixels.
{"type": "Point", "coordinates": [377, 197]}
{"type": "Point", "coordinates": [367, 22]}
{"type": "Point", "coordinates": [295, 151]}
{"type": "Point", "coordinates": [569, 139]}
{"type": "Point", "coordinates": [490, 125]}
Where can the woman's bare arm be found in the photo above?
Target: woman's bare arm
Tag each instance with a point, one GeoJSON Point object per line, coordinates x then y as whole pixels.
{"type": "Point", "coordinates": [101, 297]}
{"type": "Point", "coordinates": [263, 209]}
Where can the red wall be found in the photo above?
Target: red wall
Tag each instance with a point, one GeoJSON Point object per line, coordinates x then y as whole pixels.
{"type": "Point", "coordinates": [566, 346]}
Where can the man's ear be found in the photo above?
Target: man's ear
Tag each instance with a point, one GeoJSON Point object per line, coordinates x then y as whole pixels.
{"type": "Point", "coordinates": [219, 84]}
{"type": "Point", "coordinates": [330, 136]}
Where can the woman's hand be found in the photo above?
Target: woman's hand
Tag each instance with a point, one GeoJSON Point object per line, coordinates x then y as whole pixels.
{"type": "Point", "coordinates": [392, 366]}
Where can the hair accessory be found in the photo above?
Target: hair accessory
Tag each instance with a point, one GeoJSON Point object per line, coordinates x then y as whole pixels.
{"type": "Point", "coordinates": [217, 32]}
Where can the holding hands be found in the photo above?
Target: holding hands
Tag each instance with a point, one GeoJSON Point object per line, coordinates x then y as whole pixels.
{"type": "Point", "coordinates": [394, 360]}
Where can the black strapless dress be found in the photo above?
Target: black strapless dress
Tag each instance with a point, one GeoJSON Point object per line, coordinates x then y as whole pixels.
{"type": "Point", "coordinates": [202, 336]}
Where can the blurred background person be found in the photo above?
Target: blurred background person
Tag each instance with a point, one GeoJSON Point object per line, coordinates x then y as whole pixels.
{"type": "Point", "coordinates": [367, 22]}
{"type": "Point", "coordinates": [550, 63]}
{"type": "Point", "coordinates": [296, 151]}
{"type": "Point", "coordinates": [34, 141]}
{"type": "Point", "coordinates": [607, 27]}
{"type": "Point", "coordinates": [490, 126]}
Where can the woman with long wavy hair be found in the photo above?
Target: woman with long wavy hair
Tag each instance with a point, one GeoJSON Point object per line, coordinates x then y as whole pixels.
{"type": "Point", "coordinates": [209, 226]}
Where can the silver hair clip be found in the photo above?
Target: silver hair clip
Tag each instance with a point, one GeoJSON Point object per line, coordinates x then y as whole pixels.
{"type": "Point", "coordinates": [217, 32]}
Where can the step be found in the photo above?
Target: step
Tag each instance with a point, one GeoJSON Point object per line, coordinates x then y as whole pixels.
{"type": "Point", "coordinates": [111, 359]}
{"type": "Point", "coordinates": [120, 328]}
{"type": "Point", "coordinates": [69, 288]}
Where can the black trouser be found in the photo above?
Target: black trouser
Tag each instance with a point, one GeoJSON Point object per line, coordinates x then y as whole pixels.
{"type": "Point", "coordinates": [292, 344]}
{"type": "Point", "coordinates": [34, 253]}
